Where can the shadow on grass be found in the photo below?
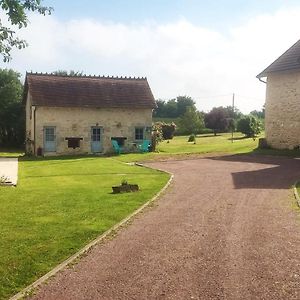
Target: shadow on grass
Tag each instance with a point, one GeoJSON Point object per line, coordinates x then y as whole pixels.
{"type": "Point", "coordinates": [207, 135]}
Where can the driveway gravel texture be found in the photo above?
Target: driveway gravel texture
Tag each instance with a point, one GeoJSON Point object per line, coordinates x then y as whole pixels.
{"type": "Point", "coordinates": [224, 229]}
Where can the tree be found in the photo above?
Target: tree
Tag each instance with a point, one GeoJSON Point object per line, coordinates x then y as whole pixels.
{"type": "Point", "coordinates": [173, 108]}
{"type": "Point", "coordinates": [258, 114]}
{"type": "Point", "coordinates": [159, 111]}
{"type": "Point", "coordinates": [12, 124]}
{"type": "Point", "coordinates": [16, 11]}
{"type": "Point", "coordinates": [249, 125]}
{"type": "Point", "coordinates": [182, 103]}
{"type": "Point", "coordinates": [191, 122]}
{"type": "Point", "coordinates": [70, 73]}
{"type": "Point", "coordinates": [218, 119]}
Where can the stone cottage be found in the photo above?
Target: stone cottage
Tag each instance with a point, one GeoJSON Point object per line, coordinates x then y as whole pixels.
{"type": "Point", "coordinates": [282, 121]}
{"type": "Point", "coordinates": [82, 115]}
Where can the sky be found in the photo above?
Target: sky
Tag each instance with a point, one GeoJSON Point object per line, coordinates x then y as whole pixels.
{"type": "Point", "coordinates": [204, 49]}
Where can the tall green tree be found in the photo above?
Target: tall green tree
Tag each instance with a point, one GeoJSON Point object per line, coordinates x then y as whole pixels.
{"type": "Point", "coordinates": [12, 116]}
{"type": "Point", "coordinates": [16, 11]}
{"type": "Point", "coordinates": [173, 108]}
{"type": "Point", "coordinates": [182, 103]}
{"type": "Point", "coordinates": [191, 122]}
{"type": "Point", "coordinates": [159, 111]}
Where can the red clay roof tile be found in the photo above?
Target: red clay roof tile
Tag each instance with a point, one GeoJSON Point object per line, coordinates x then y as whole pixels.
{"type": "Point", "coordinates": [89, 91]}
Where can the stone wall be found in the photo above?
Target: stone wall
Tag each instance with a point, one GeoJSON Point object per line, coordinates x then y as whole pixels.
{"type": "Point", "coordinates": [282, 121]}
{"type": "Point", "coordinates": [77, 122]}
{"type": "Point", "coordinates": [29, 134]}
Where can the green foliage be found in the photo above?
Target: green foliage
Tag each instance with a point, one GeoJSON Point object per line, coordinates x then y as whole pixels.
{"type": "Point", "coordinates": [231, 124]}
{"type": "Point", "coordinates": [249, 125]}
{"type": "Point", "coordinates": [192, 138]}
{"type": "Point", "coordinates": [66, 73]}
{"type": "Point", "coordinates": [59, 206]}
{"type": "Point", "coordinates": [16, 11]}
{"type": "Point", "coordinates": [173, 108]}
{"type": "Point", "coordinates": [191, 122]}
{"type": "Point", "coordinates": [259, 114]}
{"type": "Point", "coordinates": [168, 130]}
{"type": "Point", "coordinates": [206, 131]}
{"type": "Point", "coordinates": [183, 102]}
{"type": "Point", "coordinates": [12, 115]}
{"type": "Point", "coordinates": [157, 135]}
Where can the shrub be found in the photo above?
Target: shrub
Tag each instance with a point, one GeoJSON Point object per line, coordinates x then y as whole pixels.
{"type": "Point", "coordinates": [249, 125]}
{"type": "Point", "coordinates": [168, 130]}
{"type": "Point", "coordinates": [192, 138]}
{"type": "Point", "coordinates": [157, 135]}
{"type": "Point", "coordinates": [206, 131]}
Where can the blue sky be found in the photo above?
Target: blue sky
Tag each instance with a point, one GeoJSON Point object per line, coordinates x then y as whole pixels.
{"type": "Point", "coordinates": [214, 14]}
{"type": "Point", "coordinates": [204, 49]}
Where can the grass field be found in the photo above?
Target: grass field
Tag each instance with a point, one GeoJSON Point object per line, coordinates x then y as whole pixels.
{"type": "Point", "coordinates": [179, 145]}
{"type": "Point", "coordinates": [60, 205]}
{"type": "Point", "coordinates": [207, 144]}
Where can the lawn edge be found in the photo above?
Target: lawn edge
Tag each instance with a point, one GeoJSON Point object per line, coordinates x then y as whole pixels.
{"type": "Point", "coordinates": [296, 193]}
{"type": "Point", "coordinates": [29, 289]}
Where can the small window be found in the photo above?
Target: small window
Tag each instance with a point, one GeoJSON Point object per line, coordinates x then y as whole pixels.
{"type": "Point", "coordinates": [139, 133]}
{"type": "Point", "coordinates": [120, 140]}
{"type": "Point", "coordinates": [73, 142]}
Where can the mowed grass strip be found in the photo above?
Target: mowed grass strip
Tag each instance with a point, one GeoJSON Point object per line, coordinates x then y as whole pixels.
{"type": "Point", "coordinates": [59, 206]}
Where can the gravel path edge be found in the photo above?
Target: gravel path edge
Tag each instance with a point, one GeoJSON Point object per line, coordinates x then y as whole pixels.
{"type": "Point", "coordinates": [296, 193]}
{"type": "Point", "coordinates": [30, 288]}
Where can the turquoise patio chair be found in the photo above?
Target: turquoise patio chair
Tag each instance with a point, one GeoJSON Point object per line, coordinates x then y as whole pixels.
{"type": "Point", "coordinates": [144, 146]}
{"type": "Point", "coordinates": [116, 147]}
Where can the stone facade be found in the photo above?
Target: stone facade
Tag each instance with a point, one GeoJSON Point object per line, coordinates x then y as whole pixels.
{"type": "Point", "coordinates": [282, 121]}
{"type": "Point", "coordinates": [77, 122]}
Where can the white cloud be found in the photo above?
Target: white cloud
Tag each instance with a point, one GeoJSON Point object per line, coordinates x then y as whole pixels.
{"type": "Point", "coordinates": [178, 58]}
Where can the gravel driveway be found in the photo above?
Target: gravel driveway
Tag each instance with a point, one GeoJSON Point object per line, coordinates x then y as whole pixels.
{"type": "Point", "coordinates": [225, 229]}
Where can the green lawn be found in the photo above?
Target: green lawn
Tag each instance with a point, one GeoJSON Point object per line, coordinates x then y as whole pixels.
{"type": "Point", "coordinates": [11, 152]}
{"type": "Point", "coordinates": [60, 205]}
{"type": "Point", "coordinates": [207, 144]}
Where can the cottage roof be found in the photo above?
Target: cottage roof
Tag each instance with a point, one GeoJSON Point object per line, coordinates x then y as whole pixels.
{"type": "Point", "coordinates": [88, 91]}
{"type": "Point", "coordinates": [289, 60]}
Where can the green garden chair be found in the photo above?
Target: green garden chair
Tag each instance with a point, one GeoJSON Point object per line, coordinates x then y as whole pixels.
{"type": "Point", "coordinates": [144, 146]}
{"type": "Point", "coordinates": [116, 147]}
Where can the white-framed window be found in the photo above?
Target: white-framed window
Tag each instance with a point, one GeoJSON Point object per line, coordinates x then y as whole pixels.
{"type": "Point", "coordinates": [139, 133]}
